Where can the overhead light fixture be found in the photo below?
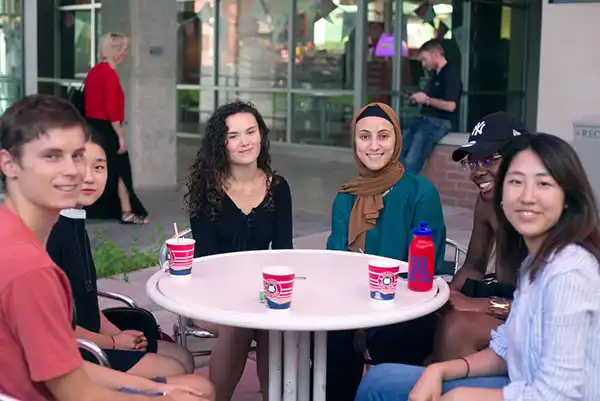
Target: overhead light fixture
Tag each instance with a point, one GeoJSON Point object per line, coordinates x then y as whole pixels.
{"type": "Point", "coordinates": [442, 9]}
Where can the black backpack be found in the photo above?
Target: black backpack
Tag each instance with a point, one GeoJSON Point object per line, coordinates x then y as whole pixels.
{"type": "Point", "coordinates": [76, 97]}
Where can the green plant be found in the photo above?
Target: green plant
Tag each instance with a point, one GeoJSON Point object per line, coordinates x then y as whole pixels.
{"type": "Point", "coordinates": [111, 259]}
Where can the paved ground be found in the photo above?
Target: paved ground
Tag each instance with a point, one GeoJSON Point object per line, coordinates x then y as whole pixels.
{"type": "Point", "coordinates": [313, 187]}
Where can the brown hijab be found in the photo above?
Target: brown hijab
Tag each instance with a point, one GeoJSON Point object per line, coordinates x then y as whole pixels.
{"type": "Point", "coordinates": [370, 186]}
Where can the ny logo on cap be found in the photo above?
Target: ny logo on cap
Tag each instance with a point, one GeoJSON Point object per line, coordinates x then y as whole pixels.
{"type": "Point", "coordinates": [516, 133]}
{"type": "Point", "coordinates": [478, 130]}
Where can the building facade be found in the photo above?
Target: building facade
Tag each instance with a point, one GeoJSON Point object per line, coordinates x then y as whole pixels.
{"type": "Point", "coordinates": [307, 64]}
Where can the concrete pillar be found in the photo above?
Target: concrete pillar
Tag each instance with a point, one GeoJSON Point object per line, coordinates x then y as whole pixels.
{"type": "Point", "coordinates": [148, 77]}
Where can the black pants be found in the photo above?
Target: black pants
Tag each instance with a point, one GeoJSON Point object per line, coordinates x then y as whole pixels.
{"type": "Point", "coordinates": [129, 319]}
{"type": "Point", "coordinates": [408, 343]}
{"type": "Point", "coordinates": [139, 319]}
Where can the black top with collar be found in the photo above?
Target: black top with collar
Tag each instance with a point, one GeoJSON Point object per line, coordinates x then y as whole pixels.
{"type": "Point", "coordinates": [444, 84]}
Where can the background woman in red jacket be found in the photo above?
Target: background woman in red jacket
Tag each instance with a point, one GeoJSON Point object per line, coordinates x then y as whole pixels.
{"type": "Point", "coordinates": [105, 113]}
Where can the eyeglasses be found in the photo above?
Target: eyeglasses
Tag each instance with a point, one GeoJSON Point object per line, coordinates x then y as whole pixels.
{"type": "Point", "coordinates": [485, 164]}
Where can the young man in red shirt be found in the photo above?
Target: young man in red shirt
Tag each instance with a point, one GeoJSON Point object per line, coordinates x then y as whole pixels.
{"type": "Point", "coordinates": [42, 144]}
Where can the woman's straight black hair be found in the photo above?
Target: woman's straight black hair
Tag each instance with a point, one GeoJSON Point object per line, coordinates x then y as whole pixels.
{"type": "Point", "coordinates": [579, 222]}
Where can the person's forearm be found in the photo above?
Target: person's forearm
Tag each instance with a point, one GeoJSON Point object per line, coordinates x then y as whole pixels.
{"type": "Point", "coordinates": [113, 379]}
{"type": "Point", "coordinates": [118, 129]}
{"type": "Point", "coordinates": [442, 104]}
{"type": "Point", "coordinates": [102, 394]}
{"type": "Point", "coordinates": [101, 340]}
{"type": "Point", "coordinates": [77, 386]}
{"type": "Point", "coordinates": [106, 326]}
{"type": "Point", "coordinates": [463, 274]}
{"type": "Point", "coordinates": [482, 363]}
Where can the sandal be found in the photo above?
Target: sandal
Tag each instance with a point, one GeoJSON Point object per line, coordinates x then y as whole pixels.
{"type": "Point", "coordinates": [132, 218]}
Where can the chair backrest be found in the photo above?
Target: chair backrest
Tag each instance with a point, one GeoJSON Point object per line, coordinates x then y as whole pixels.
{"type": "Point", "coordinates": [163, 255]}
{"type": "Point", "coordinates": [76, 97]}
{"type": "Point", "coordinates": [458, 252]}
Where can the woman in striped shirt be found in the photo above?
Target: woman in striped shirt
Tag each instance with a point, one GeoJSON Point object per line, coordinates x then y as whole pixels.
{"type": "Point", "coordinates": [549, 348]}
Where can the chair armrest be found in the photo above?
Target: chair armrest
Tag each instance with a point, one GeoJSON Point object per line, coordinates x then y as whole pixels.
{"type": "Point", "coordinates": [95, 350]}
{"type": "Point", "coordinates": [456, 246]}
{"type": "Point", "coordinates": [118, 297]}
{"type": "Point", "coordinates": [458, 250]}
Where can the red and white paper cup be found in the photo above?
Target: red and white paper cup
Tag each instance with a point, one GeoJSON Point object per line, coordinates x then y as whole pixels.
{"type": "Point", "coordinates": [180, 253]}
{"type": "Point", "coordinates": [278, 284]}
{"type": "Point", "coordinates": [383, 279]}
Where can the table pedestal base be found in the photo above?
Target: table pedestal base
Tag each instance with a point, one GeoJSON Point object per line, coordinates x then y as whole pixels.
{"type": "Point", "coordinates": [296, 366]}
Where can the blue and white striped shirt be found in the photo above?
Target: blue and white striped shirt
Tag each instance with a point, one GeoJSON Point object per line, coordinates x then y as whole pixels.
{"type": "Point", "coordinates": [551, 339]}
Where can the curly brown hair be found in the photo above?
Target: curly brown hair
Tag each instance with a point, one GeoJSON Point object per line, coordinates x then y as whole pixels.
{"type": "Point", "coordinates": [206, 177]}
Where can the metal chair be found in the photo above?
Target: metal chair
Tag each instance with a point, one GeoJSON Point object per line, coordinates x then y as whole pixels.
{"type": "Point", "coordinates": [92, 347]}
{"type": "Point", "coordinates": [118, 297]}
{"type": "Point", "coordinates": [184, 328]}
{"type": "Point", "coordinates": [95, 350]}
{"type": "Point", "coordinates": [84, 345]}
{"type": "Point", "coordinates": [459, 251]}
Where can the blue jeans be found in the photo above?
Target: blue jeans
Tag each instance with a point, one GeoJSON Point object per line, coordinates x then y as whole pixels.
{"type": "Point", "coordinates": [419, 140]}
{"type": "Point", "coordinates": [393, 382]}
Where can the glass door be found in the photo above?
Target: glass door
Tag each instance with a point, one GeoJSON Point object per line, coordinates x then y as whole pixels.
{"type": "Point", "coordinates": [11, 53]}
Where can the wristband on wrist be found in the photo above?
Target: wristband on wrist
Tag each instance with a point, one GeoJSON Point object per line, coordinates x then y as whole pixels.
{"type": "Point", "coordinates": [468, 366]}
{"type": "Point", "coordinates": [499, 306]}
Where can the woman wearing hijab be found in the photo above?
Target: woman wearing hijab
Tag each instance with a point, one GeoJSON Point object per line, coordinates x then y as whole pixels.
{"type": "Point", "coordinates": [375, 213]}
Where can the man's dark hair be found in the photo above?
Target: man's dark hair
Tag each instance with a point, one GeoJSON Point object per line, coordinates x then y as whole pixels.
{"type": "Point", "coordinates": [33, 116]}
{"type": "Point", "coordinates": [432, 45]}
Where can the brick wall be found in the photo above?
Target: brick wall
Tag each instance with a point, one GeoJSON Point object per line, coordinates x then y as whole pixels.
{"type": "Point", "coordinates": [451, 180]}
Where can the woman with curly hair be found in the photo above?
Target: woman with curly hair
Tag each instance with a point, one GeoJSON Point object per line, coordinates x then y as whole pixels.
{"type": "Point", "coordinates": [236, 202]}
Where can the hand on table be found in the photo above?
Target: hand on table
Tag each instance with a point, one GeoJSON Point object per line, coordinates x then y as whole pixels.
{"type": "Point", "coordinates": [130, 340]}
{"type": "Point", "coordinates": [428, 387]}
{"type": "Point", "coordinates": [462, 303]}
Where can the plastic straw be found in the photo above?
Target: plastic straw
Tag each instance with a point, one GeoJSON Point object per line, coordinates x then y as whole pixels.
{"type": "Point", "coordinates": [176, 231]}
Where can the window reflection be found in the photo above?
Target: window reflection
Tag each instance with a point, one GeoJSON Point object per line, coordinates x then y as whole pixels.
{"type": "Point", "coordinates": [324, 51]}
{"type": "Point", "coordinates": [76, 43]}
{"type": "Point", "coordinates": [11, 54]}
{"type": "Point", "coordinates": [195, 38]}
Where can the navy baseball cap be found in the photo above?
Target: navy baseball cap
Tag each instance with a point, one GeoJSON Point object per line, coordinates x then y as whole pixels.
{"type": "Point", "coordinates": [490, 135]}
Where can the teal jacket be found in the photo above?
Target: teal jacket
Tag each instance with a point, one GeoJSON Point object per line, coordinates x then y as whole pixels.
{"type": "Point", "coordinates": [412, 200]}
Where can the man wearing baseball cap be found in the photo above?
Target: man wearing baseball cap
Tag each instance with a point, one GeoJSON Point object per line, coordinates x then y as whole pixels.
{"type": "Point", "coordinates": [480, 155]}
{"type": "Point", "coordinates": [479, 302]}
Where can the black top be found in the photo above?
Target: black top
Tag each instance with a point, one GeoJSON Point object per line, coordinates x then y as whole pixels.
{"type": "Point", "coordinates": [445, 84]}
{"type": "Point", "coordinates": [231, 230]}
{"type": "Point", "coordinates": [69, 247]}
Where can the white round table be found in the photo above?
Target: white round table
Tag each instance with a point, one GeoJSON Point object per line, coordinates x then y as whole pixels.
{"type": "Point", "coordinates": [330, 293]}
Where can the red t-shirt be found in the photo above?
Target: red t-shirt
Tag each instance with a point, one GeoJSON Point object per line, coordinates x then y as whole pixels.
{"type": "Point", "coordinates": [37, 342]}
{"type": "Point", "coordinates": [103, 94]}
